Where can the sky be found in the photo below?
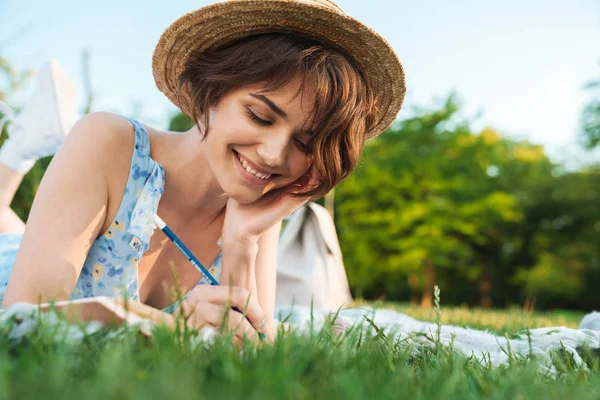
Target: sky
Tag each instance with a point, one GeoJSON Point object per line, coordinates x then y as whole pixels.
{"type": "Point", "coordinates": [519, 66]}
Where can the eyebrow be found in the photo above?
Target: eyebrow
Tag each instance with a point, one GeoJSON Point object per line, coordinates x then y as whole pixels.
{"type": "Point", "coordinates": [274, 108]}
{"type": "Point", "coordinates": [270, 104]}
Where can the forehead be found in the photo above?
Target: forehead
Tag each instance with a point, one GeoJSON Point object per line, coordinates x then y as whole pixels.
{"type": "Point", "coordinates": [298, 94]}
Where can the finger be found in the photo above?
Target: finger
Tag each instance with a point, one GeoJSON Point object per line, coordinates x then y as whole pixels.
{"type": "Point", "coordinates": [306, 182]}
{"type": "Point", "coordinates": [202, 292]}
{"type": "Point", "coordinates": [270, 333]}
{"type": "Point", "coordinates": [232, 321]}
{"type": "Point", "coordinates": [213, 317]}
{"type": "Point", "coordinates": [201, 325]}
{"type": "Point", "coordinates": [241, 328]}
{"type": "Point", "coordinates": [192, 312]}
{"type": "Point", "coordinates": [191, 317]}
{"type": "Point", "coordinates": [237, 342]}
{"type": "Point", "coordinates": [314, 176]}
{"type": "Point", "coordinates": [244, 301]}
{"type": "Point", "coordinates": [225, 296]}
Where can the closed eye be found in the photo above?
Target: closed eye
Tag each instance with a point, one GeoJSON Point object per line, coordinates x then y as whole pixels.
{"type": "Point", "coordinates": [256, 119]}
{"type": "Point", "coordinates": [301, 145]}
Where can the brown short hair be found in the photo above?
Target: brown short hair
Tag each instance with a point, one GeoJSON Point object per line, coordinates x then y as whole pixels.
{"type": "Point", "coordinates": [344, 108]}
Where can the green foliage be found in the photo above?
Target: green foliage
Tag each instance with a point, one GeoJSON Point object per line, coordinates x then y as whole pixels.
{"type": "Point", "coordinates": [590, 119]}
{"type": "Point", "coordinates": [25, 194]}
{"type": "Point", "coordinates": [180, 123]}
{"type": "Point", "coordinates": [561, 235]}
{"type": "Point", "coordinates": [12, 77]}
{"type": "Point", "coordinates": [436, 201]}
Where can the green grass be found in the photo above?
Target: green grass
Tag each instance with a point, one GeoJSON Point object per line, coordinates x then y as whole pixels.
{"type": "Point", "coordinates": [320, 366]}
{"type": "Point", "coordinates": [494, 320]}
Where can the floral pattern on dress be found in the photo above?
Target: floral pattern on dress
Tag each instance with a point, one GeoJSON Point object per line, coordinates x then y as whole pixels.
{"type": "Point", "coordinates": [111, 266]}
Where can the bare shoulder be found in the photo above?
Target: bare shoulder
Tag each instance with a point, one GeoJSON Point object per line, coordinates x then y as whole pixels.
{"type": "Point", "coordinates": [103, 129]}
{"type": "Point", "coordinates": [108, 140]}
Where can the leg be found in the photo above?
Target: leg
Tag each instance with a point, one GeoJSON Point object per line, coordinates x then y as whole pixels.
{"type": "Point", "coordinates": [36, 132]}
{"type": "Point", "coordinates": [10, 222]}
{"type": "Point", "coordinates": [9, 183]}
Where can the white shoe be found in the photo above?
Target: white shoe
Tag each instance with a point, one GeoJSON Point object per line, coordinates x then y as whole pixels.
{"type": "Point", "coordinates": [40, 128]}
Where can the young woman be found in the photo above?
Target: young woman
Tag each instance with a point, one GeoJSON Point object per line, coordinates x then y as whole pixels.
{"type": "Point", "coordinates": [284, 94]}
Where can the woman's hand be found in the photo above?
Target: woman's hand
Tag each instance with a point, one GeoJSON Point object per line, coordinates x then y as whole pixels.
{"type": "Point", "coordinates": [245, 223]}
{"type": "Point", "coordinates": [243, 226]}
{"type": "Point", "coordinates": [211, 306]}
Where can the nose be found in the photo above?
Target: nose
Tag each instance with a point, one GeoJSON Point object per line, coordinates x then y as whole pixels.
{"type": "Point", "coordinates": [273, 149]}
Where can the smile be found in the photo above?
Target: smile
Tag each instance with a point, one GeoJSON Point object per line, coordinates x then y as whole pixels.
{"type": "Point", "coordinates": [256, 176]}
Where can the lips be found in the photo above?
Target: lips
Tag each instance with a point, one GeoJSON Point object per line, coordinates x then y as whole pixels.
{"type": "Point", "coordinates": [252, 169]}
{"type": "Point", "coordinates": [251, 173]}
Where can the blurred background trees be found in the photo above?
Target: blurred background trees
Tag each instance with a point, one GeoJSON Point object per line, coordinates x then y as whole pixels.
{"type": "Point", "coordinates": [491, 220]}
{"type": "Point", "coordinates": [590, 117]}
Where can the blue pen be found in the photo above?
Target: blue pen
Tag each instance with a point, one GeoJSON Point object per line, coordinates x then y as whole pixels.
{"type": "Point", "coordinates": [192, 259]}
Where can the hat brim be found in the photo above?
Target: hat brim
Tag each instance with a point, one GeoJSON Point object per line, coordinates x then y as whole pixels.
{"type": "Point", "coordinates": [225, 22]}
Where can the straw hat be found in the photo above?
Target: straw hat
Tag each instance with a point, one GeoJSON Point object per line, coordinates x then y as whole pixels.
{"type": "Point", "coordinates": [322, 20]}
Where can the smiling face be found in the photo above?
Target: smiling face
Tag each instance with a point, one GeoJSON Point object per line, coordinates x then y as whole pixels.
{"type": "Point", "coordinates": [257, 141]}
{"type": "Point", "coordinates": [335, 98]}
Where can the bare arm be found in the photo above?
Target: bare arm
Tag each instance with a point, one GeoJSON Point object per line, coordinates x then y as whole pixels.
{"type": "Point", "coordinates": [266, 270]}
{"type": "Point", "coordinates": [67, 214]}
{"type": "Point", "coordinates": [253, 266]}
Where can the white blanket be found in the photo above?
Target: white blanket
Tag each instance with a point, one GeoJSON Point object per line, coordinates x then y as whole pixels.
{"type": "Point", "coordinates": [487, 348]}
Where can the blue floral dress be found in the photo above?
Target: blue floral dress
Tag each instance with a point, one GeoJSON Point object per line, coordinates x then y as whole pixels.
{"type": "Point", "coordinates": [111, 266]}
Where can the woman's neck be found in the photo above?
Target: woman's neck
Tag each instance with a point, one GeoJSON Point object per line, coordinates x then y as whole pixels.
{"type": "Point", "coordinates": [191, 191]}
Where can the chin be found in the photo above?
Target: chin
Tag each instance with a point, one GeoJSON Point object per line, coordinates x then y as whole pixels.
{"type": "Point", "coordinates": [244, 198]}
{"type": "Point", "coordinates": [240, 193]}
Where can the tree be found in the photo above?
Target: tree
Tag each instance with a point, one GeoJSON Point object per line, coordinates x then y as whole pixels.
{"type": "Point", "coordinates": [590, 119]}
{"type": "Point", "coordinates": [13, 77]}
{"type": "Point", "coordinates": [180, 122]}
{"type": "Point", "coordinates": [431, 197]}
{"type": "Point", "coordinates": [566, 268]}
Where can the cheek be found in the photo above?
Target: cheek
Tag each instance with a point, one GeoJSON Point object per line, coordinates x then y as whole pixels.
{"type": "Point", "coordinates": [222, 137]}
{"type": "Point", "coordinates": [234, 127]}
{"type": "Point", "coordinates": [304, 167]}
{"type": "Point", "coordinates": [299, 166]}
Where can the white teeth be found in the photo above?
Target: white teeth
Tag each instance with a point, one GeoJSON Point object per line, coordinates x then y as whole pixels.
{"type": "Point", "coordinates": [253, 172]}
